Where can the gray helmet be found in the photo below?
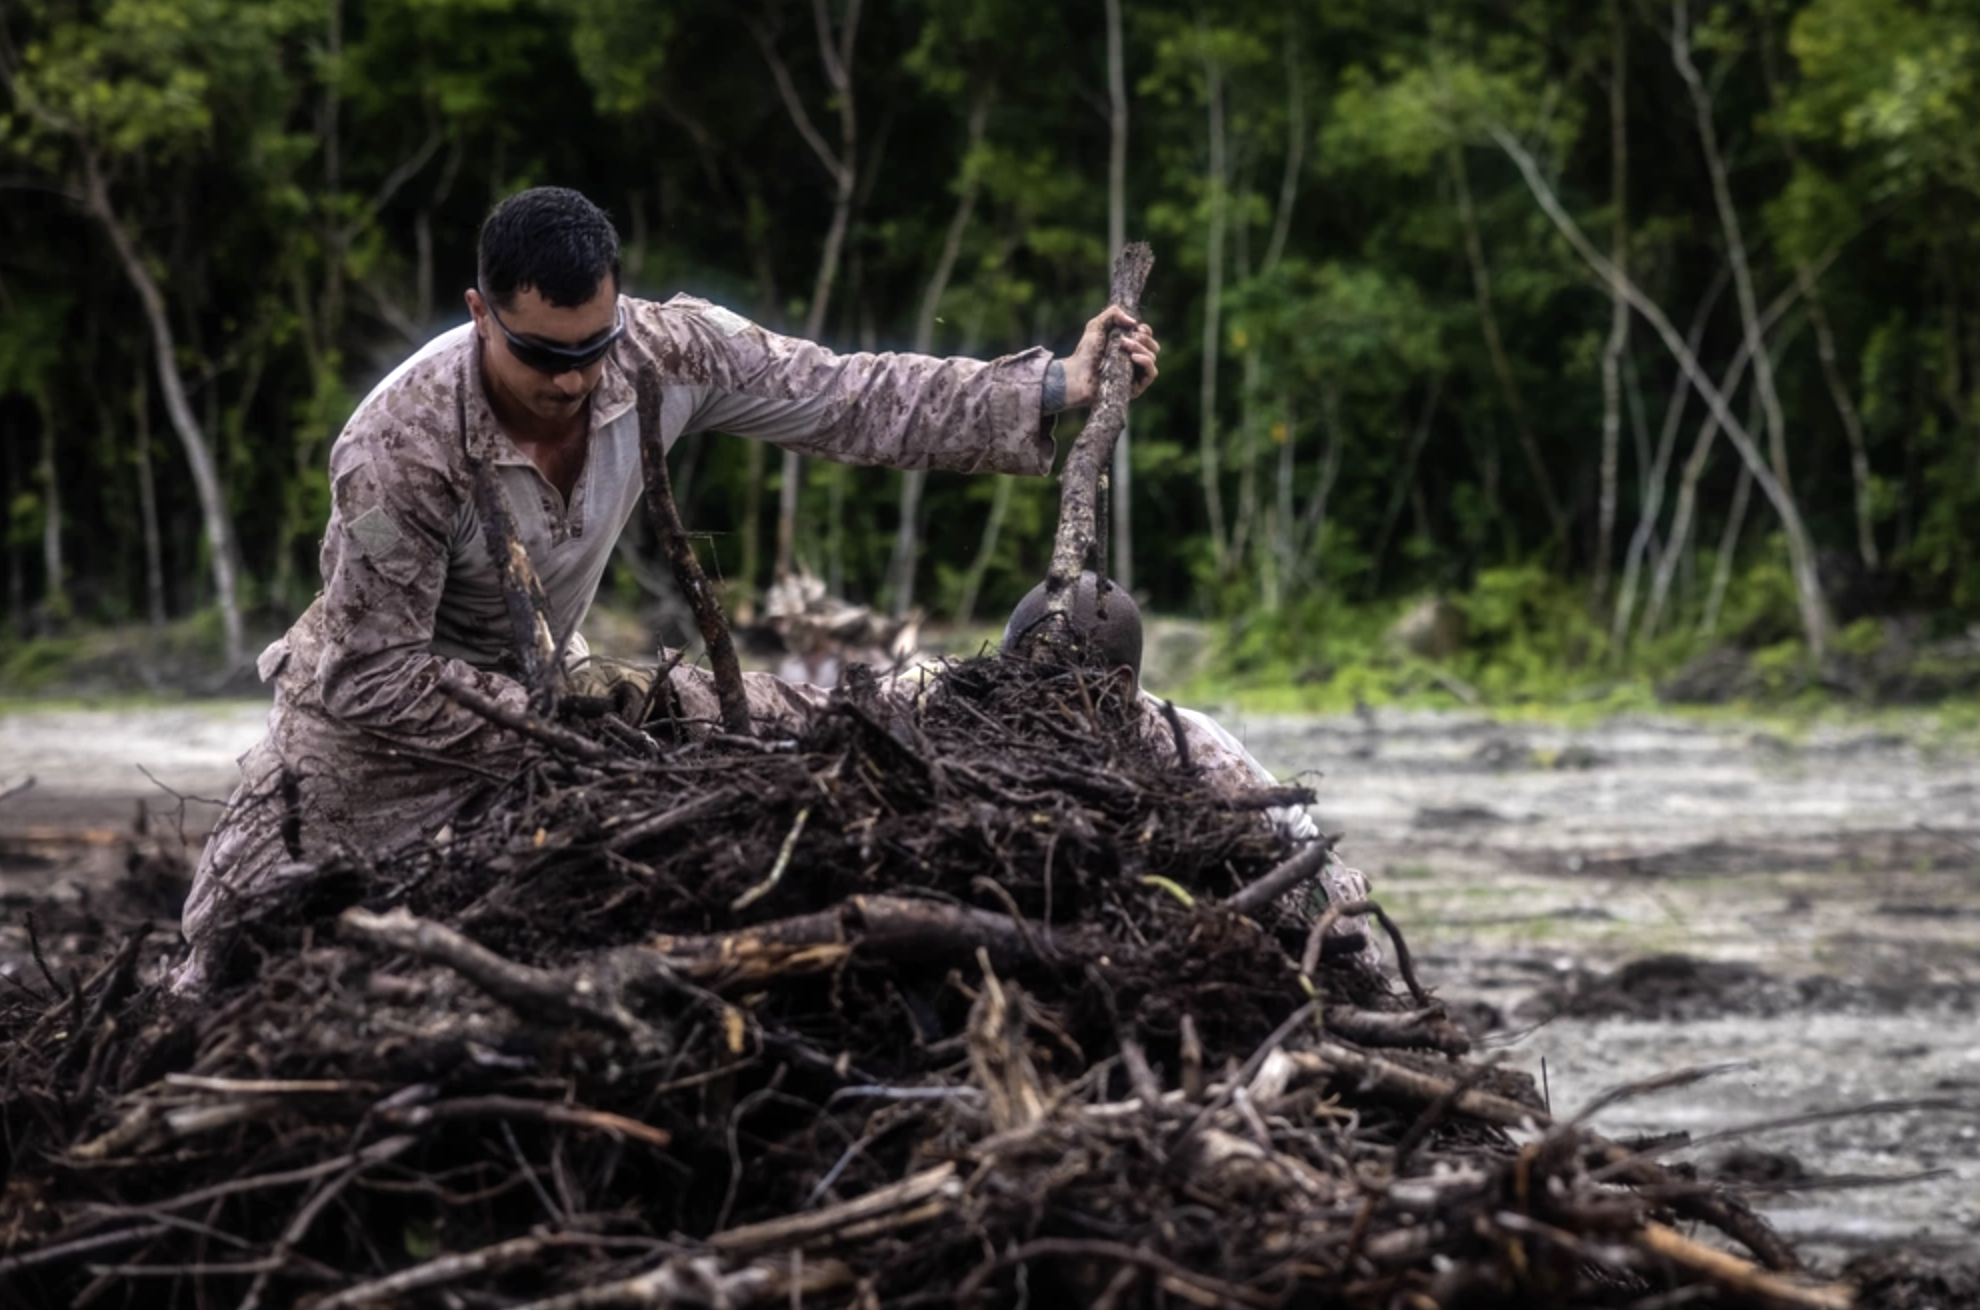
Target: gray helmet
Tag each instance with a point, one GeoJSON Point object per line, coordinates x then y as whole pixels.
{"type": "Point", "coordinates": [1105, 621]}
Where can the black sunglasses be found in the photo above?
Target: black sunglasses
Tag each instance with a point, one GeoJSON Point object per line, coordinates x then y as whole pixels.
{"type": "Point", "coordinates": [551, 358]}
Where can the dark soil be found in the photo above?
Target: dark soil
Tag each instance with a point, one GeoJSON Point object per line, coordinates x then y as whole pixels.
{"type": "Point", "coordinates": [1678, 988]}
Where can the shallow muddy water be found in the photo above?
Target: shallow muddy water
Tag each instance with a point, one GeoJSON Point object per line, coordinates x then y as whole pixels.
{"type": "Point", "coordinates": [1826, 890]}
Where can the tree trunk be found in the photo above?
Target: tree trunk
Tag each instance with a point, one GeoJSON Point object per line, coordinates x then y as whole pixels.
{"type": "Point", "coordinates": [1749, 305]}
{"type": "Point", "coordinates": [154, 553]}
{"type": "Point", "coordinates": [1272, 556]}
{"type": "Point", "coordinates": [55, 594]}
{"type": "Point", "coordinates": [1639, 431]}
{"type": "Point", "coordinates": [1488, 321]}
{"type": "Point", "coordinates": [907, 536]}
{"type": "Point", "coordinates": [199, 453]}
{"type": "Point", "coordinates": [1418, 438]}
{"type": "Point", "coordinates": [1272, 583]}
{"type": "Point", "coordinates": [1687, 500]}
{"type": "Point", "coordinates": [1213, 309]}
{"type": "Point", "coordinates": [1825, 345]}
{"type": "Point", "coordinates": [1275, 249]}
{"type": "Point", "coordinates": [1801, 553]}
{"type": "Point", "coordinates": [1618, 342]}
{"type": "Point", "coordinates": [1249, 420]}
{"type": "Point", "coordinates": [1121, 569]}
{"type": "Point", "coordinates": [754, 466]}
{"type": "Point", "coordinates": [1722, 567]}
{"type": "Point", "coordinates": [1688, 497]}
{"type": "Point", "coordinates": [336, 234]}
{"type": "Point", "coordinates": [993, 527]}
{"type": "Point", "coordinates": [842, 165]}
{"type": "Point", "coordinates": [16, 571]}
{"type": "Point", "coordinates": [1852, 421]}
{"type": "Point", "coordinates": [1314, 521]}
{"type": "Point", "coordinates": [1654, 479]}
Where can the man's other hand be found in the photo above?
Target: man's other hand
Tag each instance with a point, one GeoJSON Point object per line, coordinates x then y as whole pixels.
{"type": "Point", "coordinates": [1083, 366]}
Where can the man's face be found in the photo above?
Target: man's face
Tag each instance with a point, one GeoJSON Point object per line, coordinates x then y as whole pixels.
{"type": "Point", "coordinates": [533, 321]}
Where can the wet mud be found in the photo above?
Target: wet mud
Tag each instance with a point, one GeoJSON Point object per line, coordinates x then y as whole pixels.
{"type": "Point", "coordinates": [1647, 894]}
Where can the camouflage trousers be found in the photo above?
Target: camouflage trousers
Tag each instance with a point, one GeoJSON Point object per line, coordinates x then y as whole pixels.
{"type": "Point", "coordinates": [314, 785]}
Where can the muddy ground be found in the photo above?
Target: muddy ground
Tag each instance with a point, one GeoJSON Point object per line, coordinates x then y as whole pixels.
{"type": "Point", "coordinates": [1616, 901]}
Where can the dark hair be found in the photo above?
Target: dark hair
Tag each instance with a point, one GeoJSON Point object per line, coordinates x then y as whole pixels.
{"type": "Point", "coordinates": [1106, 623]}
{"type": "Point", "coordinates": [550, 238]}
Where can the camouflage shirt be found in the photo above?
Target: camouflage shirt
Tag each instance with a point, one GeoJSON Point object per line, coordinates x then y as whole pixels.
{"type": "Point", "coordinates": [410, 594]}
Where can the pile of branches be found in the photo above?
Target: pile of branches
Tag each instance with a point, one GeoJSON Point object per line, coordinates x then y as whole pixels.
{"type": "Point", "coordinates": [980, 1000]}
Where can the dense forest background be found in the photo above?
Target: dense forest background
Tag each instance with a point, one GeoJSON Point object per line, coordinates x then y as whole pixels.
{"type": "Point", "coordinates": [1648, 324]}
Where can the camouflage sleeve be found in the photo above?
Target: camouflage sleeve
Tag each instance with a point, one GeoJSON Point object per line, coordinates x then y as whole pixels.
{"type": "Point", "coordinates": [385, 553]}
{"type": "Point", "coordinates": [897, 410]}
{"type": "Point", "coordinates": [1226, 764]}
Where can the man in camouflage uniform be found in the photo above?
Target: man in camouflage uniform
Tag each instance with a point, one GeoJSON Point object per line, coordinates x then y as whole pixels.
{"type": "Point", "coordinates": [549, 388]}
{"type": "Point", "coordinates": [1107, 626]}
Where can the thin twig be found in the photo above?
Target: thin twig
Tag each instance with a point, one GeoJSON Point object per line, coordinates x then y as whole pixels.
{"type": "Point", "coordinates": [769, 884]}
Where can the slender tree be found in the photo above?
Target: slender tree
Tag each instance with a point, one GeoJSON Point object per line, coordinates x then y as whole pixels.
{"type": "Point", "coordinates": [1121, 476]}
{"type": "Point", "coordinates": [907, 536]}
{"type": "Point", "coordinates": [1618, 342]}
{"type": "Point", "coordinates": [836, 44]}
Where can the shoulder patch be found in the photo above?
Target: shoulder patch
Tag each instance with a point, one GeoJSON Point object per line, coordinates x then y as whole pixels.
{"type": "Point", "coordinates": [725, 321]}
{"type": "Point", "coordinates": [374, 531]}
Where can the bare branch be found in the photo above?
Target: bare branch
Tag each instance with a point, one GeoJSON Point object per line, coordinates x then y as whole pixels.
{"type": "Point", "coordinates": [1814, 613]}
{"type": "Point", "coordinates": [781, 71]}
{"type": "Point", "coordinates": [1076, 544]}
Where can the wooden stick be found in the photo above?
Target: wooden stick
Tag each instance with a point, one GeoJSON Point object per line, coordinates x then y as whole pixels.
{"type": "Point", "coordinates": [1076, 547]}
{"type": "Point", "coordinates": [714, 802]}
{"type": "Point", "coordinates": [523, 1107]}
{"type": "Point", "coordinates": [1301, 868]}
{"type": "Point", "coordinates": [391, 1289]}
{"type": "Point", "coordinates": [699, 1281]}
{"type": "Point", "coordinates": [799, 1230]}
{"type": "Point", "coordinates": [527, 725]}
{"type": "Point", "coordinates": [692, 581]}
{"type": "Point", "coordinates": [887, 927]}
{"type": "Point", "coordinates": [1421, 1028]}
{"type": "Point", "coordinates": [1731, 1271]}
{"type": "Point", "coordinates": [1329, 1057]}
{"type": "Point", "coordinates": [82, 1245]}
{"type": "Point", "coordinates": [383, 1149]}
{"type": "Point", "coordinates": [522, 591]}
{"type": "Point", "coordinates": [1180, 1279]}
{"type": "Point", "coordinates": [269, 1086]}
{"type": "Point", "coordinates": [562, 997]}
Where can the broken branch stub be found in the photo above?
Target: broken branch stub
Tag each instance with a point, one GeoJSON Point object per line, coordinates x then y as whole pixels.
{"type": "Point", "coordinates": [522, 591]}
{"type": "Point", "coordinates": [1076, 547]}
{"type": "Point", "coordinates": [688, 575]}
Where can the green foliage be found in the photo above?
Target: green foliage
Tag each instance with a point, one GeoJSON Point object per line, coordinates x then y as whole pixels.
{"type": "Point", "coordinates": [1862, 639]}
{"type": "Point", "coordinates": [1526, 627]}
{"type": "Point", "coordinates": [1761, 607]}
{"type": "Point", "coordinates": [38, 662]}
{"type": "Point", "coordinates": [25, 516]}
{"type": "Point", "coordinates": [148, 76]}
{"type": "Point", "coordinates": [1403, 333]}
{"type": "Point", "coordinates": [1897, 81]}
{"type": "Point", "coordinates": [1782, 669]}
